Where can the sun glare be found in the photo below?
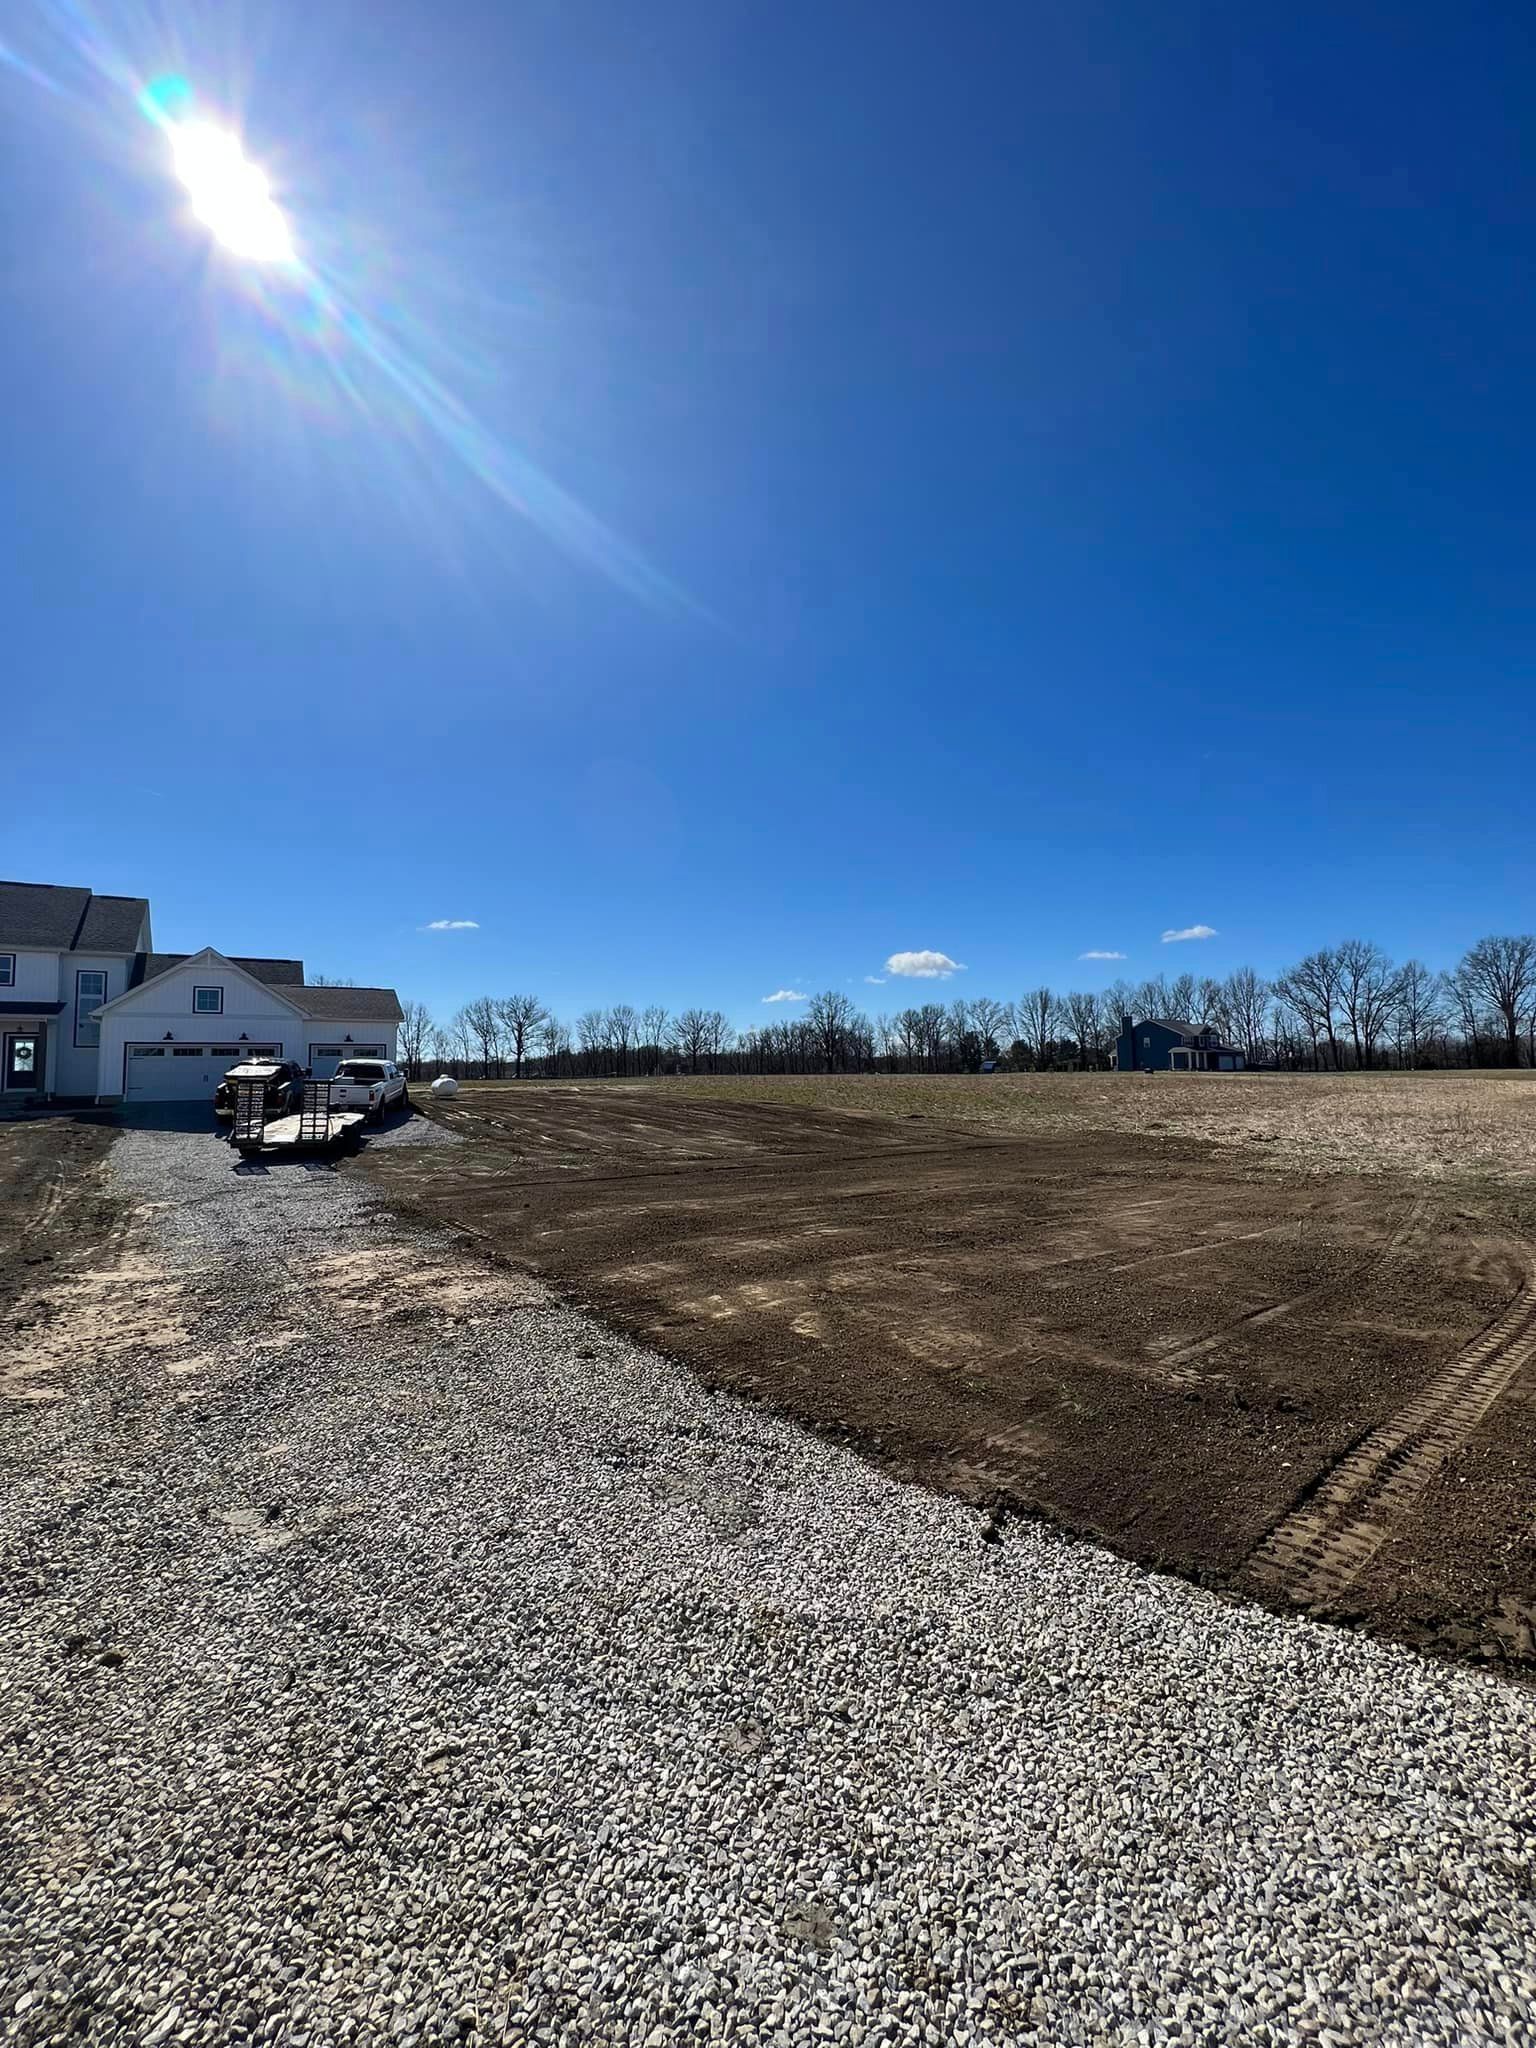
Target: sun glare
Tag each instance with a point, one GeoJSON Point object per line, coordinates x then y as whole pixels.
{"type": "Point", "coordinates": [230, 195]}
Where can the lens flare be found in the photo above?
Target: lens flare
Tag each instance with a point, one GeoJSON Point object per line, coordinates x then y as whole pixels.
{"type": "Point", "coordinates": [230, 194]}
{"type": "Point", "coordinates": [317, 311]}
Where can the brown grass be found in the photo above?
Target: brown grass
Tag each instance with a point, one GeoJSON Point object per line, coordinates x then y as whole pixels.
{"type": "Point", "coordinates": [1478, 1127]}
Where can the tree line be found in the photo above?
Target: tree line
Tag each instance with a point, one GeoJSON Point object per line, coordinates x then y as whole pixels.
{"type": "Point", "coordinates": [1345, 1007]}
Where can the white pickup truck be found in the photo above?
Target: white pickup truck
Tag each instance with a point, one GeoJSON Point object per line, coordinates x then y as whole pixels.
{"type": "Point", "coordinates": [373, 1086]}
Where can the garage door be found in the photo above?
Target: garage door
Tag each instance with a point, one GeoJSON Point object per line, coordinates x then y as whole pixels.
{"type": "Point", "coordinates": [183, 1073]}
{"type": "Point", "coordinates": [325, 1059]}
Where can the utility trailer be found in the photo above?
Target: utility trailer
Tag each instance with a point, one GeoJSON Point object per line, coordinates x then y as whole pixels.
{"type": "Point", "coordinates": [317, 1127]}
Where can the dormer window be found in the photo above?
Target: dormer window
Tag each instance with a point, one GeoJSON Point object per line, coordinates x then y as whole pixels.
{"type": "Point", "coordinates": [208, 1002]}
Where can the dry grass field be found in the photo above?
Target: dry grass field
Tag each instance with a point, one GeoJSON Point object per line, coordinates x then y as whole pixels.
{"type": "Point", "coordinates": [1279, 1334]}
{"type": "Point", "coordinates": [1479, 1126]}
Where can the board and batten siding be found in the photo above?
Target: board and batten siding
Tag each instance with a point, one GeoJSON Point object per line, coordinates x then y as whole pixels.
{"type": "Point", "coordinates": [37, 976]}
{"type": "Point", "coordinates": [250, 1009]}
{"type": "Point", "coordinates": [76, 1066]}
{"type": "Point", "coordinates": [164, 1007]}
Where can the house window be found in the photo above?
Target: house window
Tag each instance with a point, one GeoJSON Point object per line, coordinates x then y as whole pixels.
{"type": "Point", "coordinates": [207, 1002]}
{"type": "Point", "coordinates": [90, 994]}
{"type": "Point", "coordinates": [7, 970]}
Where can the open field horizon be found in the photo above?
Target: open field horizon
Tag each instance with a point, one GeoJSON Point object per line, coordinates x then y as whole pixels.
{"type": "Point", "coordinates": [1478, 1125]}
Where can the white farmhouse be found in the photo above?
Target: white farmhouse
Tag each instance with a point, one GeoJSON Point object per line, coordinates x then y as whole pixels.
{"type": "Point", "coordinates": [89, 1011]}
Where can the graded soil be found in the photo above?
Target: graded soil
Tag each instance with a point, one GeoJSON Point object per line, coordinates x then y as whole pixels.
{"type": "Point", "coordinates": [1316, 1390]}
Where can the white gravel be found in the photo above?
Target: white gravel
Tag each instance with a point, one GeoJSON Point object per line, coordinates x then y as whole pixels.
{"type": "Point", "coordinates": [490, 1680]}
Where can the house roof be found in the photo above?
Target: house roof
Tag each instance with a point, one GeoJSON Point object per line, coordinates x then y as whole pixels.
{"type": "Point", "coordinates": [344, 1002]}
{"type": "Point", "coordinates": [72, 920]}
{"type": "Point", "coordinates": [1180, 1024]}
{"type": "Point", "coordinates": [282, 977]}
{"type": "Point", "coordinates": [275, 973]}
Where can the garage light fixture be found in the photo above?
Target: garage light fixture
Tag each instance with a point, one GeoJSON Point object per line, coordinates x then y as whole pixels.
{"type": "Point", "coordinates": [243, 1039]}
{"type": "Point", "coordinates": [348, 1039]}
{"type": "Point", "coordinates": [170, 1038]}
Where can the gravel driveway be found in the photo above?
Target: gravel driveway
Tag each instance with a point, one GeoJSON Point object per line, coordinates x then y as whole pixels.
{"type": "Point", "coordinates": [394, 1654]}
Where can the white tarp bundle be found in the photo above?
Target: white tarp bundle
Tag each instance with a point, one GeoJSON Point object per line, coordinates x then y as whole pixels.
{"type": "Point", "coordinates": [445, 1085]}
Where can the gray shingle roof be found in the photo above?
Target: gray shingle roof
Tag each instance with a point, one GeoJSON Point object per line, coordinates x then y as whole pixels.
{"type": "Point", "coordinates": [1180, 1024]}
{"type": "Point", "coordinates": [382, 1003]}
{"type": "Point", "coordinates": [283, 974]}
{"type": "Point", "coordinates": [73, 920]}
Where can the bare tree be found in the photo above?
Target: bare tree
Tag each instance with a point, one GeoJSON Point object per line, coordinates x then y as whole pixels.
{"type": "Point", "coordinates": [1183, 998]}
{"type": "Point", "coordinates": [1419, 1011]}
{"type": "Point", "coordinates": [655, 1025]}
{"type": "Point", "coordinates": [829, 1016]}
{"type": "Point", "coordinates": [482, 1019]}
{"type": "Point", "coordinates": [991, 1020]}
{"type": "Point", "coordinates": [520, 1017]}
{"type": "Point", "coordinates": [1244, 996]}
{"type": "Point", "coordinates": [416, 1031]}
{"type": "Point", "coordinates": [1081, 1008]}
{"type": "Point", "coordinates": [623, 1022]}
{"type": "Point", "coordinates": [1152, 998]}
{"type": "Point", "coordinates": [555, 1038]}
{"type": "Point", "coordinates": [1312, 985]}
{"type": "Point", "coordinates": [330, 981]}
{"type": "Point", "coordinates": [461, 1037]}
{"type": "Point", "coordinates": [1037, 1016]}
{"type": "Point", "coordinates": [1501, 973]}
{"type": "Point", "coordinates": [693, 1034]}
{"type": "Point", "coordinates": [719, 1035]}
{"type": "Point", "coordinates": [592, 1037]}
{"type": "Point", "coordinates": [1368, 990]}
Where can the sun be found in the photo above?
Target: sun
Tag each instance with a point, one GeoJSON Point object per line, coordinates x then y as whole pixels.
{"type": "Point", "coordinates": [230, 194]}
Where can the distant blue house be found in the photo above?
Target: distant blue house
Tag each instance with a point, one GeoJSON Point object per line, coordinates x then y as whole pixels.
{"type": "Point", "coordinates": [1172, 1045]}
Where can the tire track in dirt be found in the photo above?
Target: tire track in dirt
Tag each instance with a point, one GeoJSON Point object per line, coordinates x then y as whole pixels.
{"type": "Point", "coordinates": [1409, 1221]}
{"type": "Point", "coordinates": [50, 1197]}
{"type": "Point", "coordinates": [1332, 1533]}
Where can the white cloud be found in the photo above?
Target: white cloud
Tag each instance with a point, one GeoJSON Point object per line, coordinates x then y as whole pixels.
{"type": "Point", "coordinates": [875, 980]}
{"type": "Point", "coordinates": [924, 966]}
{"type": "Point", "coordinates": [450, 924]}
{"type": "Point", "coordinates": [1190, 931]}
{"type": "Point", "coordinates": [1100, 953]}
{"type": "Point", "coordinates": [786, 995]}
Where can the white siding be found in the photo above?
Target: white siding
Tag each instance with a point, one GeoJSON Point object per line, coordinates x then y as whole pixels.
{"type": "Point", "coordinates": [76, 1066]}
{"type": "Point", "coordinates": [250, 1008]}
{"type": "Point", "coordinates": [165, 1006]}
{"type": "Point", "coordinates": [37, 976]}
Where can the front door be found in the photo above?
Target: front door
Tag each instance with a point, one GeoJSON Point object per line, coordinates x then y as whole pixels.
{"type": "Point", "coordinates": [23, 1060]}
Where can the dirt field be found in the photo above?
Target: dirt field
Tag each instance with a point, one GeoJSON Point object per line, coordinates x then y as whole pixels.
{"type": "Point", "coordinates": [1162, 1314]}
{"type": "Point", "coordinates": [55, 1217]}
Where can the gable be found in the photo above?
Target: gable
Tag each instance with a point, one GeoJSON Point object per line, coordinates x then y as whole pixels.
{"type": "Point", "coordinates": [169, 994]}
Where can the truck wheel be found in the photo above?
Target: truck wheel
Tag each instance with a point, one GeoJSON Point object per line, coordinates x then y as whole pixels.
{"type": "Point", "coordinates": [405, 1101]}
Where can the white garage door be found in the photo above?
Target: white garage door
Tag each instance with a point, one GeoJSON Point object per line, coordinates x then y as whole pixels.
{"type": "Point", "coordinates": [325, 1059]}
{"type": "Point", "coordinates": [183, 1073]}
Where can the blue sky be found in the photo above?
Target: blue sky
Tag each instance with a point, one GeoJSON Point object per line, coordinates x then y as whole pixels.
{"type": "Point", "coordinates": [742, 491]}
